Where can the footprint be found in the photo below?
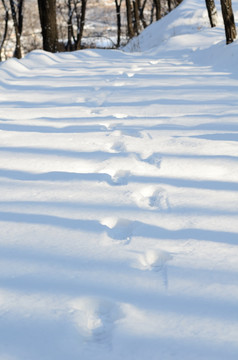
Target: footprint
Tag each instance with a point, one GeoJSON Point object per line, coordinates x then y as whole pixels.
{"type": "Point", "coordinates": [156, 260]}
{"type": "Point", "coordinates": [152, 198]}
{"type": "Point", "coordinates": [99, 98]}
{"type": "Point", "coordinates": [119, 229]}
{"type": "Point", "coordinates": [95, 320]}
{"type": "Point", "coordinates": [132, 132]}
{"type": "Point", "coordinates": [129, 131]}
{"type": "Point", "coordinates": [159, 200]}
{"type": "Point", "coordinates": [154, 159]}
{"type": "Point", "coordinates": [118, 146]}
{"type": "Point", "coordinates": [120, 177]}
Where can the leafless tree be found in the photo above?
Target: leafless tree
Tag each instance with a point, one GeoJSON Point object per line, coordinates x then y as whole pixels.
{"type": "Point", "coordinates": [80, 19]}
{"type": "Point", "coordinates": [118, 16]}
{"type": "Point", "coordinates": [47, 12]}
{"type": "Point", "coordinates": [6, 18]}
{"type": "Point", "coordinates": [136, 17]}
{"type": "Point", "coordinates": [130, 29]}
{"type": "Point", "coordinates": [17, 17]}
{"type": "Point", "coordinates": [157, 9]}
{"type": "Point", "coordinates": [142, 17]}
{"type": "Point", "coordinates": [212, 12]}
{"type": "Point", "coordinates": [229, 22]}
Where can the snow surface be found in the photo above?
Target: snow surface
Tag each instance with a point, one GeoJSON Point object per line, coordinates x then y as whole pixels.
{"type": "Point", "coordinates": [119, 205]}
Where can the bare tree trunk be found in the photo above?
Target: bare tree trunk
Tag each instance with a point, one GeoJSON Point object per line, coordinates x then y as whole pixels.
{"type": "Point", "coordinates": [80, 24]}
{"type": "Point", "coordinates": [212, 12]}
{"type": "Point", "coordinates": [5, 27]}
{"type": "Point", "coordinates": [152, 12]}
{"type": "Point", "coordinates": [169, 5]}
{"type": "Point", "coordinates": [47, 11]}
{"type": "Point", "coordinates": [118, 15]}
{"type": "Point", "coordinates": [17, 18]}
{"type": "Point", "coordinates": [141, 11]}
{"type": "Point", "coordinates": [130, 29]}
{"type": "Point", "coordinates": [136, 17]}
{"type": "Point", "coordinates": [229, 22]}
{"type": "Point", "coordinates": [157, 9]}
{"type": "Point", "coordinates": [69, 46]}
{"type": "Point", "coordinates": [20, 15]}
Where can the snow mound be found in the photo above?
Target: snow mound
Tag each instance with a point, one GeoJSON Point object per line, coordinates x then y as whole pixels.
{"type": "Point", "coordinates": [188, 18]}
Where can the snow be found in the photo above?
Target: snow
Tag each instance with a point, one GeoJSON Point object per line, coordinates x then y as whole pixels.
{"type": "Point", "coordinates": [119, 206]}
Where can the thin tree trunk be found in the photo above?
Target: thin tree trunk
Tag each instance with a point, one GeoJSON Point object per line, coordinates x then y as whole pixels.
{"type": "Point", "coordinates": [136, 17]}
{"type": "Point", "coordinates": [169, 5]}
{"type": "Point", "coordinates": [69, 46]}
{"type": "Point", "coordinates": [152, 12]}
{"type": "Point", "coordinates": [229, 22]}
{"type": "Point", "coordinates": [141, 9]}
{"type": "Point", "coordinates": [17, 22]}
{"type": "Point", "coordinates": [5, 27]}
{"type": "Point", "coordinates": [118, 15]}
{"type": "Point", "coordinates": [80, 24]}
{"type": "Point", "coordinates": [47, 11]}
{"type": "Point", "coordinates": [20, 15]}
{"type": "Point", "coordinates": [212, 12]}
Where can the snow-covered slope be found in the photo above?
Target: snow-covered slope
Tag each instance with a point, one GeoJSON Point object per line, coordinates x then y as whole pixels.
{"type": "Point", "coordinates": [119, 200]}
{"type": "Point", "coordinates": [188, 18]}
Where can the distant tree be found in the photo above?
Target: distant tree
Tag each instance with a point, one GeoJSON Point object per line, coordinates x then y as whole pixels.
{"type": "Point", "coordinates": [6, 18]}
{"type": "Point", "coordinates": [69, 46]}
{"type": "Point", "coordinates": [80, 16]}
{"type": "Point", "coordinates": [47, 12]}
{"type": "Point", "coordinates": [17, 17]}
{"type": "Point", "coordinates": [229, 22]}
{"type": "Point", "coordinates": [212, 12]}
{"type": "Point", "coordinates": [76, 18]}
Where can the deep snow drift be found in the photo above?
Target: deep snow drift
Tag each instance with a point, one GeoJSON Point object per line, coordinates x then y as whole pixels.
{"type": "Point", "coordinates": [119, 206]}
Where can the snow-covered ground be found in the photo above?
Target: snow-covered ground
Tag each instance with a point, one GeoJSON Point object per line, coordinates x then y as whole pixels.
{"type": "Point", "coordinates": [119, 199]}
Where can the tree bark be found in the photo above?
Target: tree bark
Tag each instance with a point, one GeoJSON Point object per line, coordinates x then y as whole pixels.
{"type": "Point", "coordinates": [157, 9]}
{"type": "Point", "coordinates": [212, 12]}
{"type": "Point", "coordinates": [69, 46]}
{"type": "Point", "coordinates": [169, 5]}
{"type": "Point", "coordinates": [17, 18]}
{"type": "Point", "coordinates": [80, 24]}
{"type": "Point", "coordinates": [118, 16]}
{"type": "Point", "coordinates": [47, 12]}
{"type": "Point", "coordinates": [136, 17]}
{"type": "Point", "coordinates": [141, 10]}
{"type": "Point", "coordinates": [5, 27]}
{"type": "Point", "coordinates": [229, 22]}
{"type": "Point", "coordinates": [130, 29]}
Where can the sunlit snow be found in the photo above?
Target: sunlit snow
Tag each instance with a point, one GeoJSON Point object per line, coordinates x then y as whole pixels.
{"type": "Point", "coordinates": [119, 198]}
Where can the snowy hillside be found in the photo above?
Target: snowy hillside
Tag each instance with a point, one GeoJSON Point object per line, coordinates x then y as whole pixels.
{"type": "Point", "coordinates": [119, 199]}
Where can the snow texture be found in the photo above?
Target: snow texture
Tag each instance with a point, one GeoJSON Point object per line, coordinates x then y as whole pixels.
{"type": "Point", "coordinates": [119, 198]}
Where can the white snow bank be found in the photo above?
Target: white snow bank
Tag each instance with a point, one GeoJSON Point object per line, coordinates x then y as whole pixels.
{"type": "Point", "coordinates": [188, 18]}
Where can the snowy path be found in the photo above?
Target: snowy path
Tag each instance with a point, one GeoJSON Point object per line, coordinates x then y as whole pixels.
{"type": "Point", "coordinates": [119, 208]}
